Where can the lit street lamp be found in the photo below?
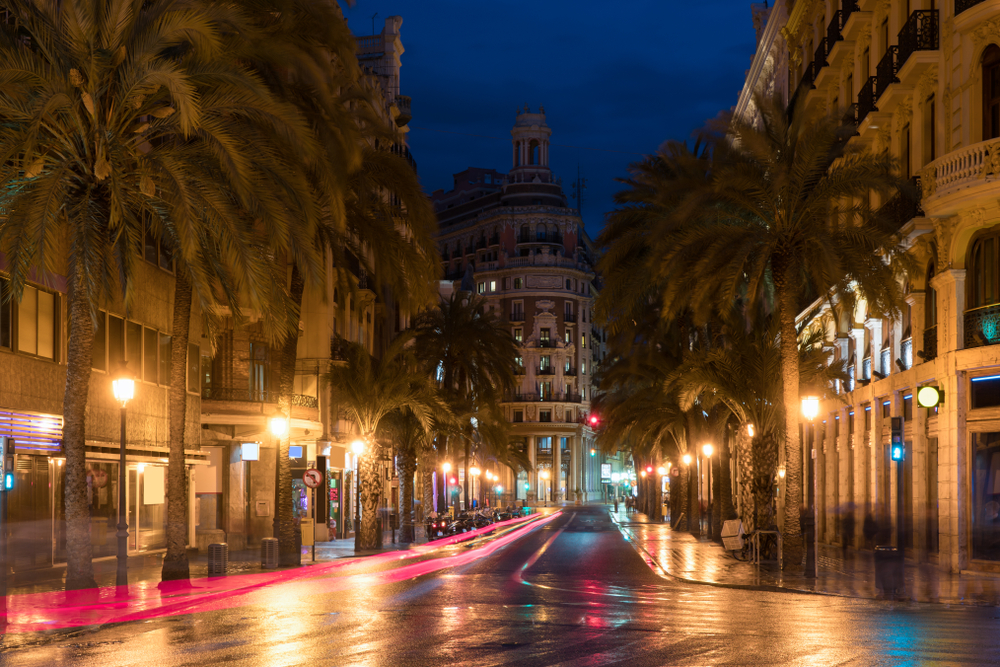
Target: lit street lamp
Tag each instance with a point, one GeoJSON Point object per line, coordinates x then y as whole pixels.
{"type": "Point", "coordinates": [545, 488]}
{"type": "Point", "coordinates": [123, 386]}
{"type": "Point", "coordinates": [687, 460]}
{"type": "Point", "coordinates": [474, 472]}
{"type": "Point", "coordinates": [446, 467]}
{"type": "Point", "coordinates": [708, 450]}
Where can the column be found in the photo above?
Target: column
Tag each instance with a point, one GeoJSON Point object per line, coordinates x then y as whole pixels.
{"type": "Point", "coordinates": [575, 462]}
{"type": "Point", "coordinates": [556, 468]}
{"type": "Point", "coordinates": [874, 325]}
{"type": "Point", "coordinates": [533, 474]}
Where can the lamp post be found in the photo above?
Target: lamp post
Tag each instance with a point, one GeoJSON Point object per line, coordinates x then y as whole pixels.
{"type": "Point", "coordinates": [686, 459]}
{"type": "Point", "coordinates": [810, 409]}
{"type": "Point", "coordinates": [545, 489]}
{"type": "Point", "coordinates": [474, 472]}
{"type": "Point", "coordinates": [615, 479]}
{"type": "Point", "coordinates": [661, 472]}
{"type": "Point", "coordinates": [123, 386]}
{"type": "Point", "coordinates": [708, 450]}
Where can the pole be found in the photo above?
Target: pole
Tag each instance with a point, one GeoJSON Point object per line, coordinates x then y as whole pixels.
{"type": "Point", "coordinates": [121, 578]}
{"type": "Point", "coordinates": [277, 486]}
{"type": "Point", "coordinates": [708, 463]}
{"type": "Point", "coordinates": [357, 500]}
{"type": "Point", "coordinates": [811, 535]}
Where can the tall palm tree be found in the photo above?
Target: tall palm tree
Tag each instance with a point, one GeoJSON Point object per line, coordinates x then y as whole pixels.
{"type": "Point", "coordinates": [782, 214]}
{"type": "Point", "coordinates": [472, 355]}
{"type": "Point", "coordinates": [111, 117]}
{"type": "Point", "coordinates": [410, 441]}
{"type": "Point", "coordinates": [367, 391]}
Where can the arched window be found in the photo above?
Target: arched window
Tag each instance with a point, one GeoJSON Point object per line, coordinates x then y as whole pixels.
{"type": "Point", "coordinates": [533, 152]}
{"type": "Point", "coordinates": [991, 92]}
{"type": "Point", "coordinates": [983, 287]}
{"type": "Point", "coordinates": [517, 153]}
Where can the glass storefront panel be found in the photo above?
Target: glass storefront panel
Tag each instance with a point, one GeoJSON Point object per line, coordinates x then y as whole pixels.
{"type": "Point", "coordinates": [986, 496]}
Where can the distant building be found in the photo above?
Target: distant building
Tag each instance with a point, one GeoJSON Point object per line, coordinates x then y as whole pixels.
{"type": "Point", "coordinates": [513, 239]}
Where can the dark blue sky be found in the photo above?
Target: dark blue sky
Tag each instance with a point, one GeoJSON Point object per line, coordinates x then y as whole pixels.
{"type": "Point", "coordinates": [622, 77]}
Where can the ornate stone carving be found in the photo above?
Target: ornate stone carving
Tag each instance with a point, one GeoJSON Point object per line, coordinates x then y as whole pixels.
{"type": "Point", "coordinates": [985, 32]}
{"type": "Point", "coordinates": [544, 282]}
{"type": "Point", "coordinates": [927, 83]}
{"type": "Point", "coordinates": [928, 182]}
{"type": "Point", "coordinates": [903, 114]}
{"type": "Point", "coordinates": [991, 163]}
{"type": "Point", "coordinates": [944, 230]}
{"type": "Point", "coordinates": [545, 305]}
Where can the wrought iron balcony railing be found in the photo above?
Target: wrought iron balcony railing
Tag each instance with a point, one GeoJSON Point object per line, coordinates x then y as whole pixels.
{"type": "Point", "coordinates": [919, 33]}
{"type": "Point", "coordinates": [819, 57]}
{"type": "Point", "coordinates": [982, 326]}
{"type": "Point", "coordinates": [305, 401]}
{"type": "Point", "coordinates": [851, 115]}
{"type": "Point", "coordinates": [833, 31]}
{"type": "Point", "coordinates": [904, 206]}
{"type": "Point", "coordinates": [254, 396]}
{"type": "Point", "coordinates": [962, 5]}
{"type": "Point", "coordinates": [569, 317]}
{"type": "Point", "coordinates": [886, 70]}
{"type": "Point", "coordinates": [546, 370]}
{"type": "Point", "coordinates": [930, 343]}
{"type": "Point", "coordinates": [516, 317]}
{"type": "Point", "coordinates": [866, 98]}
{"type": "Point", "coordinates": [547, 343]}
{"type": "Point", "coordinates": [848, 7]}
{"type": "Point", "coordinates": [556, 397]}
{"type": "Point", "coordinates": [570, 371]}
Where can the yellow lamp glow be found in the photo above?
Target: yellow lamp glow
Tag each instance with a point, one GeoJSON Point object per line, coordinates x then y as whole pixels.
{"type": "Point", "coordinates": [810, 407]}
{"type": "Point", "coordinates": [643, 473]}
{"type": "Point", "coordinates": [750, 430]}
{"type": "Point", "coordinates": [279, 425]}
{"type": "Point", "coordinates": [446, 467]}
{"type": "Point", "coordinates": [707, 450]}
{"type": "Point", "coordinates": [687, 459]}
{"type": "Point", "coordinates": [358, 447]}
{"type": "Point", "coordinates": [123, 385]}
{"type": "Point", "coordinates": [474, 471]}
{"type": "Point", "coordinates": [661, 470]}
{"type": "Point", "coordinates": [544, 474]}
{"type": "Point", "coordinates": [781, 472]}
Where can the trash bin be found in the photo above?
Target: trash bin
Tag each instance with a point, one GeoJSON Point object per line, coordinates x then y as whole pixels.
{"type": "Point", "coordinates": [308, 530]}
{"type": "Point", "coordinates": [888, 570]}
{"type": "Point", "coordinates": [269, 553]}
{"type": "Point", "coordinates": [218, 559]}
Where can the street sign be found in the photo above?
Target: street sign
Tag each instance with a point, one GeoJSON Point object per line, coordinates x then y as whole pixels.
{"type": "Point", "coordinates": [675, 472]}
{"type": "Point", "coordinates": [605, 473]}
{"type": "Point", "coordinates": [312, 478]}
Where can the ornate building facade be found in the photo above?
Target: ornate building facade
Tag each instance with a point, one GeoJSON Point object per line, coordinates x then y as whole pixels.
{"type": "Point", "coordinates": [513, 239]}
{"type": "Point", "coordinates": [920, 79]}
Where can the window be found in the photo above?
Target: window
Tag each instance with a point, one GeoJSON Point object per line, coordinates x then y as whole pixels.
{"type": "Point", "coordinates": [568, 336]}
{"type": "Point", "coordinates": [836, 426]}
{"type": "Point", "coordinates": [193, 362]}
{"type": "Point", "coordinates": [983, 282]}
{"type": "Point", "coordinates": [545, 416]}
{"type": "Point", "coordinates": [116, 342]}
{"type": "Point", "coordinates": [569, 416]}
{"type": "Point", "coordinates": [985, 392]}
{"type": "Point", "coordinates": [164, 359]}
{"type": "Point", "coordinates": [6, 316]}
{"type": "Point", "coordinates": [518, 283]}
{"type": "Point", "coordinates": [904, 152]}
{"type": "Point", "coordinates": [482, 287]}
{"type": "Point", "coordinates": [991, 92]}
{"type": "Point", "coordinates": [583, 393]}
{"type": "Point", "coordinates": [850, 423]}
{"type": "Point", "coordinates": [545, 389]}
{"type": "Point", "coordinates": [156, 252]}
{"type": "Point", "coordinates": [518, 335]}
{"type": "Point", "coordinates": [544, 335]}
{"type": "Point", "coordinates": [36, 323]}
{"type": "Point", "coordinates": [545, 363]}
{"type": "Point", "coordinates": [493, 286]}
{"type": "Point", "coordinates": [133, 348]}
{"type": "Point", "coordinates": [886, 409]}
{"type": "Point", "coordinates": [584, 315]}
{"type": "Point", "coordinates": [583, 367]}
{"type": "Point", "coordinates": [150, 341]}
{"type": "Point", "coordinates": [506, 283]}
{"type": "Point", "coordinates": [99, 353]}
{"type": "Point", "coordinates": [908, 407]}
{"type": "Point", "coordinates": [868, 417]}
{"type": "Point", "coordinates": [568, 284]}
{"type": "Point", "coordinates": [583, 340]}
{"type": "Point", "coordinates": [567, 366]}
{"type": "Point", "coordinates": [518, 416]}
{"type": "Point", "coordinates": [930, 135]}
{"type": "Point", "coordinates": [517, 311]}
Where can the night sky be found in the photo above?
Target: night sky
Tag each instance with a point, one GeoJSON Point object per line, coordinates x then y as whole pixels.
{"type": "Point", "coordinates": [618, 77]}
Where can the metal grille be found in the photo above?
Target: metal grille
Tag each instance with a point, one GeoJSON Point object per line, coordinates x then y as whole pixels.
{"type": "Point", "coordinates": [920, 33]}
{"type": "Point", "coordinates": [218, 559]}
{"type": "Point", "coordinates": [269, 553]}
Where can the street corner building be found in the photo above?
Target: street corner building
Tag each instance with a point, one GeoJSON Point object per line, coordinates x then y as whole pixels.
{"type": "Point", "coordinates": [920, 79]}
{"type": "Point", "coordinates": [513, 239]}
{"type": "Point", "coordinates": [232, 385]}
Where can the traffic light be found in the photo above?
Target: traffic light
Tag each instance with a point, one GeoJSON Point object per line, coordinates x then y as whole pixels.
{"type": "Point", "coordinates": [929, 396]}
{"type": "Point", "coordinates": [526, 486]}
{"type": "Point", "coordinates": [649, 470]}
{"type": "Point", "coordinates": [897, 450]}
{"type": "Point", "coordinates": [593, 452]}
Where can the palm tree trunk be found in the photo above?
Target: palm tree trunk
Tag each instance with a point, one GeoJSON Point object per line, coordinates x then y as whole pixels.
{"type": "Point", "coordinates": [764, 448]}
{"type": "Point", "coordinates": [406, 465]}
{"type": "Point", "coordinates": [717, 485]}
{"type": "Point", "coordinates": [369, 537]}
{"type": "Point", "coordinates": [285, 528]}
{"type": "Point", "coordinates": [427, 470]}
{"type": "Point", "coordinates": [683, 507]}
{"type": "Point", "coordinates": [727, 508]}
{"type": "Point", "coordinates": [468, 456]}
{"type": "Point", "coordinates": [791, 534]}
{"type": "Point", "coordinates": [747, 470]}
{"type": "Point", "coordinates": [175, 561]}
{"type": "Point", "coordinates": [79, 359]}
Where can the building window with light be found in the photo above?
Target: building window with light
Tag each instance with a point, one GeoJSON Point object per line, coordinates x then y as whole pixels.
{"type": "Point", "coordinates": [518, 283]}
{"type": "Point", "coordinates": [518, 335]}
{"type": "Point", "coordinates": [493, 286]}
{"type": "Point", "coordinates": [583, 340]}
{"type": "Point", "coordinates": [481, 288]}
{"type": "Point", "coordinates": [583, 367]}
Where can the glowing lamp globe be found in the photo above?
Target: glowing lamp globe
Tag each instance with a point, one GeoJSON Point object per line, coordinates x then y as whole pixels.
{"type": "Point", "coordinates": [279, 425]}
{"type": "Point", "coordinates": [358, 447]}
{"type": "Point", "coordinates": [810, 407]}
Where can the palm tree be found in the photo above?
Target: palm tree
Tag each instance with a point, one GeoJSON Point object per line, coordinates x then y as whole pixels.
{"type": "Point", "coordinates": [781, 215]}
{"type": "Point", "coordinates": [101, 142]}
{"type": "Point", "coordinates": [367, 391]}
{"type": "Point", "coordinates": [473, 357]}
{"type": "Point", "coordinates": [411, 441]}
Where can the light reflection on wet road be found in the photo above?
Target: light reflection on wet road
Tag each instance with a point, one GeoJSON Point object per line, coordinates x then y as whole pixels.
{"type": "Point", "coordinates": [572, 592]}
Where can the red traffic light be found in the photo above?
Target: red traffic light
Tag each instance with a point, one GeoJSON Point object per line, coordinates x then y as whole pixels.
{"type": "Point", "coordinates": [649, 469]}
{"type": "Point", "coordinates": [594, 420]}
{"type": "Point", "coordinates": [452, 480]}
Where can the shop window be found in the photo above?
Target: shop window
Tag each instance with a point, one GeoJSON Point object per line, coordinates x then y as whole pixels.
{"type": "Point", "coordinates": [985, 510]}
{"type": "Point", "coordinates": [985, 392]}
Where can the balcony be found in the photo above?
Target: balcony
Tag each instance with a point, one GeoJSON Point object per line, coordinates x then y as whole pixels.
{"type": "Point", "coordinates": [833, 31]}
{"type": "Point", "coordinates": [403, 104]}
{"type": "Point", "coordinates": [982, 326]}
{"type": "Point", "coordinates": [885, 72]}
{"type": "Point", "coordinates": [851, 115]}
{"type": "Point", "coordinates": [920, 33]}
{"type": "Point", "coordinates": [904, 206]}
{"type": "Point", "coordinates": [516, 317]}
{"type": "Point", "coordinates": [557, 397]}
{"type": "Point", "coordinates": [549, 342]}
{"type": "Point", "coordinates": [952, 179]}
{"type": "Point", "coordinates": [495, 240]}
{"type": "Point", "coordinates": [545, 370]}
{"type": "Point", "coordinates": [254, 396]}
{"type": "Point", "coordinates": [569, 317]}
{"type": "Point", "coordinates": [930, 343]}
{"type": "Point", "coordinates": [518, 369]}
{"type": "Point", "coordinates": [570, 372]}
{"type": "Point", "coordinates": [866, 98]}
{"type": "Point", "coordinates": [962, 5]}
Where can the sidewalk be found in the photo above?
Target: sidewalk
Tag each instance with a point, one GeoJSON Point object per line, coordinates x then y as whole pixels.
{"type": "Point", "coordinates": [146, 568]}
{"type": "Point", "coordinates": [701, 561]}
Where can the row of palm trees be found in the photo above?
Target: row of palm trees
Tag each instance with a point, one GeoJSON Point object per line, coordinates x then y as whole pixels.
{"type": "Point", "coordinates": [244, 138]}
{"type": "Point", "coordinates": [433, 396]}
{"type": "Point", "coordinates": [713, 252]}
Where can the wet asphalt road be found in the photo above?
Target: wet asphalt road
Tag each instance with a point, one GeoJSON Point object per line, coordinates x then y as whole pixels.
{"type": "Point", "coordinates": [572, 592]}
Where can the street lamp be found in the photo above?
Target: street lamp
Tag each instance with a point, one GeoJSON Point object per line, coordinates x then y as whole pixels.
{"type": "Point", "coordinates": [750, 430]}
{"type": "Point", "coordinates": [810, 409]}
{"type": "Point", "coordinates": [474, 472]}
{"type": "Point", "coordinates": [446, 468]}
{"type": "Point", "coordinates": [123, 386]}
{"type": "Point", "coordinates": [545, 490]}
